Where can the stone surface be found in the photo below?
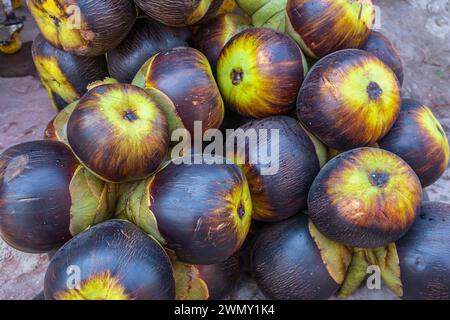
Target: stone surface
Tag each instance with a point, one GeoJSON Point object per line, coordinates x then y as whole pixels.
{"type": "Point", "coordinates": [419, 28]}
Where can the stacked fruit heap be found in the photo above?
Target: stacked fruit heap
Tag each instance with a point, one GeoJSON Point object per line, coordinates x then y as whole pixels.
{"type": "Point", "coordinates": [103, 191]}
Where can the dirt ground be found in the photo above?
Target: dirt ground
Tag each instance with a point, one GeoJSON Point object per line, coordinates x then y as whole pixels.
{"type": "Point", "coordinates": [419, 28]}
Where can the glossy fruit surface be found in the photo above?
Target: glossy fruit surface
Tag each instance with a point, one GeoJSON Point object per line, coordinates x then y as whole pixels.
{"type": "Point", "coordinates": [201, 211]}
{"type": "Point", "coordinates": [83, 27]}
{"type": "Point", "coordinates": [380, 46]}
{"type": "Point", "coordinates": [260, 72]}
{"type": "Point", "coordinates": [119, 132]}
{"type": "Point", "coordinates": [418, 138]}
{"type": "Point", "coordinates": [213, 36]}
{"type": "Point", "coordinates": [185, 76]}
{"type": "Point", "coordinates": [179, 13]}
{"type": "Point", "coordinates": [66, 75]}
{"type": "Point", "coordinates": [147, 38]}
{"type": "Point", "coordinates": [349, 99]}
{"type": "Point", "coordinates": [288, 264]}
{"type": "Point", "coordinates": [321, 27]}
{"type": "Point", "coordinates": [282, 193]}
{"type": "Point", "coordinates": [365, 198]}
{"type": "Point", "coordinates": [111, 261]}
{"type": "Point", "coordinates": [425, 255]}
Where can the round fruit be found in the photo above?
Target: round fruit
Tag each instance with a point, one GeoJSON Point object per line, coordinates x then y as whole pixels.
{"type": "Point", "coordinates": [380, 46]}
{"type": "Point", "coordinates": [365, 198]}
{"type": "Point", "coordinates": [349, 99]}
{"type": "Point", "coordinates": [282, 192]}
{"type": "Point", "coordinates": [201, 211]}
{"type": "Point", "coordinates": [321, 27]}
{"type": "Point", "coordinates": [180, 13]}
{"type": "Point", "coordinates": [424, 255]}
{"type": "Point", "coordinates": [66, 75]}
{"type": "Point", "coordinates": [119, 132]}
{"type": "Point", "coordinates": [201, 282]}
{"type": "Point", "coordinates": [111, 261]}
{"type": "Point", "coordinates": [185, 76]}
{"type": "Point", "coordinates": [260, 72]}
{"type": "Point", "coordinates": [46, 196]}
{"type": "Point", "coordinates": [418, 138]}
{"type": "Point", "coordinates": [213, 36]}
{"type": "Point", "coordinates": [57, 128]}
{"type": "Point", "coordinates": [266, 13]}
{"type": "Point", "coordinates": [83, 27]}
{"type": "Point", "coordinates": [147, 38]}
{"type": "Point", "coordinates": [289, 265]}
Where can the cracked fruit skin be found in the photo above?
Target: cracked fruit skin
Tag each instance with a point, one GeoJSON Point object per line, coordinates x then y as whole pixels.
{"type": "Point", "coordinates": [202, 212]}
{"type": "Point", "coordinates": [147, 38]}
{"type": "Point", "coordinates": [418, 138]}
{"type": "Point", "coordinates": [280, 195]}
{"type": "Point", "coordinates": [321, 27]}
{"type": "Point", "coordinates": [214, 35]}
{"type": "Point", "coordinates": [260, 72]}
{"type": "Point", "coordinates": [116, 261]}
{"type": "Point", "coordinates": [43, 200]}
{"type": "Point", "coordinates": [185, 76]}
{"type": "Point", "coordinates": [83, 27]}
{"type": "Point", "coordinates": [365, 198]}
{"type": "Point", "coordinates": [425, 255]}
{"type": "Point", "coordinates": [380, 46]}
{"type": "Point", "coordinates": [287, 264]}
{"type": "Point", "coordinates": [180, 13]}
{"type": "Point", "coordinates": [349, 99]}
{"type": "Point", "coordinates": [202, 282]}
{"type": "Point", "coordinates": [66, 75]}
{"type": "Point", "coordinates": [119, 132]}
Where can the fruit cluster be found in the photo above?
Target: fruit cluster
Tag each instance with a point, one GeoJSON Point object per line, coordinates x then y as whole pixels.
{"type": "Point", "coordinates": [130, 221]}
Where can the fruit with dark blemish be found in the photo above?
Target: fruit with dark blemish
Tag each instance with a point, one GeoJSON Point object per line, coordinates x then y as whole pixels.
{"type": "Point", "coordinates": [349, 99]}
{"type": "Point", "coordinates": [293, 261]}
{"type": "Point", "coordinates": [147, 38]}
{"type": "Point", "coordinates": [260, 72]}
{"type": "Point", "coordinates": [200, 211]}
{"type": "Point", "coordinates": [119, 131]}
{"type": "Point", "coordinates": [365, 198]}
{"type": "Point", "coordinates": [380, 46]}
{"type": "Point", "coordinates": [281, 192]}
{"type": "Point", "coordinates": [111, 261]}
{"type": "Point", "coordinates": [185, 76]}
{"type": "Point", "coordinates": [321, 27]}
{"type": "Point", "coordinates": [46, 196]}
{"type": "Point", "coordinates": [83, 27]}
{"type": "Point", "coordinates": [65, 75]}
{"type": "Point", "coordinates": [180, 13]}
{"type": "Point", "coordinates": [418, 138]}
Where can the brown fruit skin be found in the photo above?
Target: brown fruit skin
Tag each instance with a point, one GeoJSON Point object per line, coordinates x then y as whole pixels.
{"type": "Point", "coordinates": [147, 38]}
{"type": "Point", "coordinates": [104, 148]}
{"type": "Point", "coordinates": [135, 261]}
{"type": "Point", "coordinates": [287, 264]}
{"type": "Point", "coordinates": [103, 24]}
{"type": "Point", "coordinates": [424, 254]}
{"type": "Point", "coordinates": [335, 107]}
{"type": "Point", "coordinates": [199, 231]}
{"type": "Point", "coordinates": [365, 198]}
{"type": "Point", "coordinates": [220, 278]}
{"type": "Point", "coordinates": [178, 13]}
{"type": "Point", "coordinates": [326, 26]}
{"type": "Point", "coordinates": [50, 131]}
{"type": "Point", "coordinates": [260, 72]}
{"type": "Point", "coordinates": [79, 71]}
{"type": "Point", "coordinates": [423, 145]}
{"type": "Point", "coordinates": [34, 195]}
{"type": "Point", "coordinates": [280, 196]}
{"type": "Point", "coordinates": [380, 46]}
{"type": "Point", "coordinates": [213, 36]}
{"type": "Point", "coordinates": [185, 76]}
